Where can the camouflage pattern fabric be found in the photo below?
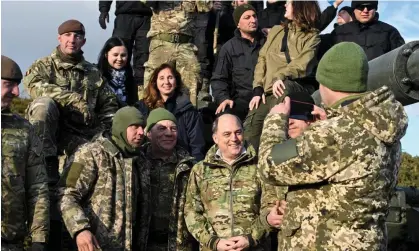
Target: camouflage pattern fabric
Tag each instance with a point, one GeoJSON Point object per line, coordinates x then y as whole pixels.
{"type": "Point", "coordinates": [176, 18]}
{"type": "Point", "coordinates": [340, 172]}
{"type": "Point", "coordinates": [98, 191]}
{"type": "Point", "coordinates": [84, 101]}
{"type": "Point", "coordinates": [225, 201]}
{"type": "Point", "coordinates": [177, 236]}
{"type": "Point", "coordinates": [184, 56]}
{"type": "Point", "coordinates": [24, 188]}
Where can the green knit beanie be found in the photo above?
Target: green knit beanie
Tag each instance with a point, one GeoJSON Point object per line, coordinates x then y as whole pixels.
{"type": "Point", "coordinates": [124, 118]}
{"type": "Point", "coordinates": [158, 115]}
{"type": "Point", "coordinates": [238, 12]}
{"type": "Point", "coordinates": [344, 68]}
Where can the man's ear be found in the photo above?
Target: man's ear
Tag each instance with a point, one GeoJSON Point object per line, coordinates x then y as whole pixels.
{"type": "Point", "coordinates": [215, 138]}
{"type": "Point", "coordinates": [149, 135]}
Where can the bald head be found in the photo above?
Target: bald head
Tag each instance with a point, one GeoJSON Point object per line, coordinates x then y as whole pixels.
{"type": "Point", "coordinates": [226, 117]}
{"type": "Point", "coordinates": [228, 135]}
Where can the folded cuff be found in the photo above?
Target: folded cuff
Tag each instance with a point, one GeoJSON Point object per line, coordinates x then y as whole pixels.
{"type": "Point", "coordinates": [258, 91]}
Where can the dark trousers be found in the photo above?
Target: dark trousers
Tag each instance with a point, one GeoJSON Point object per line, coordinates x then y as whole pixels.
{"type": "Point", "coordinates": [133, 30]}
{"type": "Point", "coordinates": [253, 124]}
{"type": "Point", "coordinates": [201, 41]}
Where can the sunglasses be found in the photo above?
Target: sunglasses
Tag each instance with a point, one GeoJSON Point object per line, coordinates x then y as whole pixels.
{"type": "Point", "coordinates": [368, 6]}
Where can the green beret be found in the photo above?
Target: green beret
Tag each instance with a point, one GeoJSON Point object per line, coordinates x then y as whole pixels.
{"type": "Point", "coordinates": [158, 115]}
{"type": "Point", "coordinates": [344, 68]}
{"type": "Point", "coordinates": [71, 26]}
{"type": "Point", "coordinates": [10, 70]}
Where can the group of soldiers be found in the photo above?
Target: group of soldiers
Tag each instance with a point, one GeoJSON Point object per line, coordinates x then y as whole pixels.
{"type": "Point", "coordinates": [125, 184]}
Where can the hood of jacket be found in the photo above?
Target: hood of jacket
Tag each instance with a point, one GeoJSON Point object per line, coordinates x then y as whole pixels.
{"type": "Point", "coordinates": [379, 113]}
{"type": "Point", "coordinates": [178, 104]}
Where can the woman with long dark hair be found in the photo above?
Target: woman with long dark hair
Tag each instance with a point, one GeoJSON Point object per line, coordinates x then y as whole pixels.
{"type": "Point", "coordinates": [286, 63]}
{"type": "Point", "coordinates": [165, 90]}
{"type": "Point", "coordinates": [115, 68]}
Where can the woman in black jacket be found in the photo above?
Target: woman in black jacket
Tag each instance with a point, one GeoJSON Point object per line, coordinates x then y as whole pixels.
{"type": "Point", "coordinates": [117, 71]}
{"type": "Point", "coordinates": [165, 90]}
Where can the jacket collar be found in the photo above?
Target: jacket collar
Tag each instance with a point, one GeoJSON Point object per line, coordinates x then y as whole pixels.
{"type": "Point", "coordinates": [258, 36]}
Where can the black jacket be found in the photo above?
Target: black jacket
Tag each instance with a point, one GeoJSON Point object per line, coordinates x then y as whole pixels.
{"type": "Point", "coordinates": [272, 15]}
{"type": "Point", "coordinates": [233, 74]}
{"type": "Point", "coordinates": [189, 124]}
{"type": "Point", "coordinates": [376, 38]}
{"type": "Point", "coordinates": [126, 7]}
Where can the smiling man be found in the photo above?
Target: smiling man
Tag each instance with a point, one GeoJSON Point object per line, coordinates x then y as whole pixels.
{"type": "Point", "coordinates": [165, 169]}
{"type": "Point", "coordinates": [227, 203]}
{"type": "Point", "coordinates": [374, 36]}
{"type": "Point", "coordinates": [98, 190]}
{"type": "Point", "coordinates": [71, 104]}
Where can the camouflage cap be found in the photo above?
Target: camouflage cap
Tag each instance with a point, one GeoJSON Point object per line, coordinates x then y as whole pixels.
{"type": "Point", "coordinates": [71, 26]}
{"type": "Point", "coordinates": [10, 70]}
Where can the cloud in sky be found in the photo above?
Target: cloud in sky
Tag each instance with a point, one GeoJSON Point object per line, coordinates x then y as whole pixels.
{"type": "Point", "coordinates": [29, 32]}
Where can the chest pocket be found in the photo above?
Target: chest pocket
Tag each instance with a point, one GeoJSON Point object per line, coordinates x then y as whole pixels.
{"type": "Point", "coordinates": [215, 188]}
{"type": "Point", "coordinates": [245, 187]}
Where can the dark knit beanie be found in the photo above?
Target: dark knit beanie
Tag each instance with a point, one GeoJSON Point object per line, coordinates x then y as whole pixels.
{"type": "Point", "coordinates": [348, 9]}
{"type": "Point", "coordinates": [124, 118]}
{"type": "Point", "coordinates": [238, 12]}
{"type": "Point", "coordinates": [355, 4]}
{"type": "Point", "coordinates": [158, 115]}
{"type": "Point", "coordinates": [71, 26]}
{"type": "Point", "coordinates": [344, 68]}
{"type": "Point", "coordinates": [10, 70]}
{"type": "Point", "coordinates": [301, 106]}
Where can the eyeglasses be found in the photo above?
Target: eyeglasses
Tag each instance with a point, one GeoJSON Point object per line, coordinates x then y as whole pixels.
{"type": "Point", "coordinates": [363, 6]}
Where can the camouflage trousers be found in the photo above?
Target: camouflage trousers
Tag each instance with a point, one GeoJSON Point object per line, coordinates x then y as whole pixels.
{"type": "Point", "coordinates": [183, 56]}
{"type": "Point", "coordinates": [253, 123]}
{"type": "Point", "coordinates": [11, 247]}
{"type": "Point", "coordinates": [45, 116]}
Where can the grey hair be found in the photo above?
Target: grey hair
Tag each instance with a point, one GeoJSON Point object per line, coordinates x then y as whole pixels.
{"type": "Point", "coordinates": [215, 123]}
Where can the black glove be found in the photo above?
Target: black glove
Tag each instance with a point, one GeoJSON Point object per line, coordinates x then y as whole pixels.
{"type": "Point", "coordinates": [38, 246]}
{"type": "Point", "coordinates": [104, 16]}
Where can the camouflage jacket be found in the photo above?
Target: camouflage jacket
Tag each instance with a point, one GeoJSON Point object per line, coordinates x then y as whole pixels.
{"type": "Point", "coordinates": [176, 17]}
{"type": "Point", "coordinates": [225, 201]}
{"type": "Point", "coordinates": [343, 170]}
{"type": "Point", "coordinates": [24, 188]}
{"type": "Point", "coordinates": [98, 191]}
{"type": "Point", "coordinates": [75, 88]}
{"type": "Point", "coordinates": [179, 237]}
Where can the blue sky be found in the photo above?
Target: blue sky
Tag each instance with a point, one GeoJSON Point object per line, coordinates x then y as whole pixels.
{"type": "Point", "coordinates": [29, 31]}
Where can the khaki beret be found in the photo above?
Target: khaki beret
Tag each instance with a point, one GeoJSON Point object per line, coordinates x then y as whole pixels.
{"type": "Point", "coordinates": [10, 70]}
{"type": "Point", "coordinates": [71, 26]}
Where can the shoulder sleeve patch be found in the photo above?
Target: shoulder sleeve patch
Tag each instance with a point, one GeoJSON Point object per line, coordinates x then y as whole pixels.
{"type": "Point", "coordinates": [284, 151]}
{"type": "Point", "coordinates": [73, 174]}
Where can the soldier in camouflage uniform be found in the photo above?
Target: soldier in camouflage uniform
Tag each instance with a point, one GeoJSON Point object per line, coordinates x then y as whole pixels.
{"type": "Point", "coordinates": [24, 188]}
{"type": "Point", "coordinates": [341, 170]}
{"type": "Point", "coordinates": [171, 40]}
{"type": "Point", "coordinates": [99, 187]}
{"type": "Point", "coordinates": [163, 175]}
{"type": "Point", "coordinates": [227, 202]}
{"type": "Point", "coordinates": [71, 104]}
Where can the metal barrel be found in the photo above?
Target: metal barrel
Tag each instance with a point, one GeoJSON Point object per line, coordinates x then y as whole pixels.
{"type": "Point", "coordinates": [399, 70]}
